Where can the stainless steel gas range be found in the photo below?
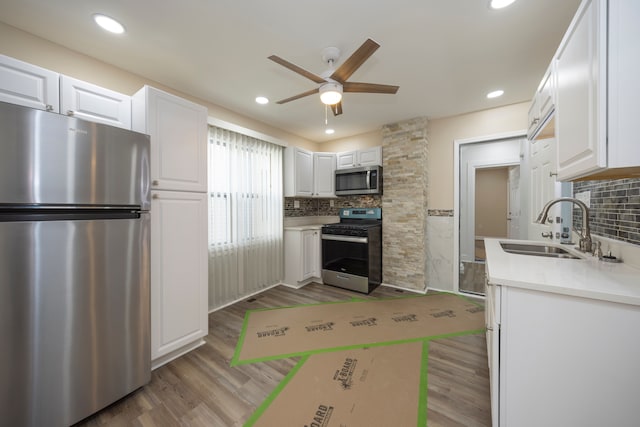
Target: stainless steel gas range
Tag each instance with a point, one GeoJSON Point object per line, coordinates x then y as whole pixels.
{"type": "Point", "coordinates": [352, 250]}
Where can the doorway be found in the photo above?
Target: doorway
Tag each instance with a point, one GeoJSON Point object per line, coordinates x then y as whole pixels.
{"type": "Point", "coordinates": [489, 202]}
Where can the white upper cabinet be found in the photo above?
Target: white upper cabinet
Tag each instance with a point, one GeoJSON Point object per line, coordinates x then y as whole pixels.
{"type": "Point", "coordinates": [597, 67]}
{"type": "Point", "coordinates": [178, 130]}
{"type": "Point", "coordinates": [324, 174]}
{"type": "Point", "coordinates": [309, 174]}
{"type": "Point", "coordinates": [94, 103]}
{"type": "Point", "coordinates": [366, 157]}
{"type": "Point", "coordinates": [35, 87]}
{"type": "Point", "coordinates": [298, 172]}
{"type": "Point", "coordinates": [25, 84]}
{"type": "Point", "coordinates": [542, 107]}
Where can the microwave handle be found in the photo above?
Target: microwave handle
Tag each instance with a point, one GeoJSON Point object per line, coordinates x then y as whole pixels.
{"type": "Point", "coordinates": [368, 179]}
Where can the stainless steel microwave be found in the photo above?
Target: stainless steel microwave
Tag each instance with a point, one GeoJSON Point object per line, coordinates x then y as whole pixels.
{"type": "Point", "coordinates": [362, 180]}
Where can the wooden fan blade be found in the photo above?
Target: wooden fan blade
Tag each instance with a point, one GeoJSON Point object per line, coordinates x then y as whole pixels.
{"type": "Point", "coordinates": [337, 108]}
{"type": "Point", "coordinates": [296, 69]}
{"type": "Point", "coordinates": [298, 96]}
{"type": "Point", "coordinates": [368, 88]}
{"type": "Point", "coordinates": [354, 62]}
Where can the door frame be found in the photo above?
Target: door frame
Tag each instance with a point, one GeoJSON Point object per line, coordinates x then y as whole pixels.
{"type": "Point", "coordinates": [458, 143]}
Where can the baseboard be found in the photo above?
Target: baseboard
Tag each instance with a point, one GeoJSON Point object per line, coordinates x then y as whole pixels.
{"type": "Point", "coordinates": [303, 284]}
{"type": "Point", "coordinates": [415, 291]}
{"type": "Point", "coordinates": [211, 310]}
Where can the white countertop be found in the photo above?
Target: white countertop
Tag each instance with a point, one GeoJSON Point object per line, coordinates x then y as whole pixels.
{"type": "Point", "coordinates": [587, 277]}
{"type": "Point", "coordinates": [304, 227]}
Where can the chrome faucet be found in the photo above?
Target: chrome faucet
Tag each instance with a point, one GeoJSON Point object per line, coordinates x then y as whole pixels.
{"type": "Point", "coordinates": [585, 233]}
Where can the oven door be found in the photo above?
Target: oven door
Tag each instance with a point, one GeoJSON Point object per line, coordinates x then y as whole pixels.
{"type": "Point", "coordinates": [345, 262]}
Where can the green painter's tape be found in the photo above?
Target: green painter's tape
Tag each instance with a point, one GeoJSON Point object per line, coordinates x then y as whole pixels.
{"type": "Point", "coordinates": [424, 369]}
{"type": "Point", "coordinates": [269, 400]}
{"type": "Point", "coordinates": [243, 332]}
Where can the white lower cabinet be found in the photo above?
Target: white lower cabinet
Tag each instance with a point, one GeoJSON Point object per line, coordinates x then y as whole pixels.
{"type": "Point", "coordinates": [302, 256]}
{"type": "Point", "coordinates": [179, 273]}
{"type": "Point", "coordinates": [561, 360]}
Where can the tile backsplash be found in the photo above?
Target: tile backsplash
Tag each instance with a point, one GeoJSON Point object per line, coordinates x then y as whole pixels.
{"type": "Point", "coordinates": [615, 208]}
{"type": "Point", "coordinates": [322, 207]}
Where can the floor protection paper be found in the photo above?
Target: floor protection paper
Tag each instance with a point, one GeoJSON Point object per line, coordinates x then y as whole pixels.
{"type": "Point", "coordinates": [285, 332]}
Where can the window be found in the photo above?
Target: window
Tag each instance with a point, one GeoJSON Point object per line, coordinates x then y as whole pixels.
{"type": "Point", "coordinates": [245, 189]}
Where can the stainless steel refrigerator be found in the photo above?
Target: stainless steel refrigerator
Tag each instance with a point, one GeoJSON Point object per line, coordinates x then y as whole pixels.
{"type": "Point", "coordinates": [74, 266]}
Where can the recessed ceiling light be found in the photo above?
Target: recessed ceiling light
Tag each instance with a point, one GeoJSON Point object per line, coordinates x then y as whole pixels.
{"type": "Point", "coordinates": [499, 4]}
{"type": "Point", "coordinates": [108, 23]}
{"type": "Point", "coordinates": [262, 100]}
{"type": "Point", "coordinates": [329, 131]}
{"type": "Point", "coordinates": [495, 94]}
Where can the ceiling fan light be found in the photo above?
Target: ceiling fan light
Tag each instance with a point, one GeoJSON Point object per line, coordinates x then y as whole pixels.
{"type": "Point", "coordinates": [330, 93]}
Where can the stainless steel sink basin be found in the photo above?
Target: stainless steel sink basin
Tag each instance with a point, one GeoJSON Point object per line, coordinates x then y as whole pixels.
{"type": "Point", "coordinates": [537, 250]}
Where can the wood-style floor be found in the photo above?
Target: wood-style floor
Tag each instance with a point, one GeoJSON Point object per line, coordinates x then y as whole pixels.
{"type": "Point", "coordinates": [201, 389]}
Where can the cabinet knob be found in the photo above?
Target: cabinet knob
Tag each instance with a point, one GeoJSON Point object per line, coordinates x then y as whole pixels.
{"type": "Point", "coordinates": [155, 182]}
{"type": "Point", "coordinates": [70, 112]}
{"type": "Point", "coordinates": [155, 196]}
{"type": "Point", "coordinates": [49, 107]}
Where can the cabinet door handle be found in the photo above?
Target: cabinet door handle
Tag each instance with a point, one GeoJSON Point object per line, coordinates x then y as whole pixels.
{"type": "Point", "coordinates": [155, 182]}
{"type": "Point", "coordinates": [70, 112]}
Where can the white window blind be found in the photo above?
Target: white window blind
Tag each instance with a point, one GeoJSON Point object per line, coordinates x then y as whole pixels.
{"type": "Point", "coordinates": [245, 215]}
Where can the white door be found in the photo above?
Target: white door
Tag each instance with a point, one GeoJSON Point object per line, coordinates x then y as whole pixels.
{"type": "Point", "coordinates": [543, 185]}
{"type": "Point", "coordinates": [514, 211]}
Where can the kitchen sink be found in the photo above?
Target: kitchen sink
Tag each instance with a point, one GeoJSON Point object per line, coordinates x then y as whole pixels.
{"type": "Point", "coordinates": [537, 250]}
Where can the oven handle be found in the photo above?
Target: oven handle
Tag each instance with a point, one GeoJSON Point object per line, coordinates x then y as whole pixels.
{"type": "Point", "coordinates": [340, 238]}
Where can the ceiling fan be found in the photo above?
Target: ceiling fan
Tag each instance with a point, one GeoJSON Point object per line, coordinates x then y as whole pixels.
{"type": "Point", "coordinates": [333, 82]}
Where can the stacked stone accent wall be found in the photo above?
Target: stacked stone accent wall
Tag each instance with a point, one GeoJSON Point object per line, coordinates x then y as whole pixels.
{"type": "Point", "coordinates": [404, 204]}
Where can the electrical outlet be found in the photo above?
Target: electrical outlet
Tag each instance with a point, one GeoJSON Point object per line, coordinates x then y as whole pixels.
{"type": "Point", "coordinates": [584, 197]}
{"type": "Point", "coordinates": [296, 204]}
{"type": "Point", "coordinates": [332, 203]}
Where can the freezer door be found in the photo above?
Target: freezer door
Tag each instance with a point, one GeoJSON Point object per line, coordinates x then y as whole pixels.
{"type": "Point", "coordinates": [74, 317]}
{"type": "Point", "coordinates": [48, 158]}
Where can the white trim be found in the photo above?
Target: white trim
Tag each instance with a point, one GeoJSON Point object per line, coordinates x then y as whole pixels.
{"type": "Point", "coordinates": [456, 192]}
{"type": "Point", "coordinates": [415, 291]}
{"type": "Point", "coordinates": [243, 297]}
{"type": "Point", "coordinates": [493, 137]}
{"type": "Point", "coordinates": [245, 131]}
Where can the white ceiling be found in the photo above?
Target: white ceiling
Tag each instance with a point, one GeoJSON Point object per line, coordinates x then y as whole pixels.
{"type": "Point", "coordinates": [444, 54]}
